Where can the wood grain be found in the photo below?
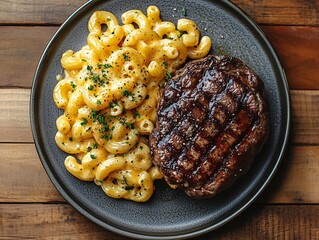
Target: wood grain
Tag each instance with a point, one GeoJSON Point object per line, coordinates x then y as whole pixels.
{"type": "Point", "coordinates": [285, 12]}
{"type": "Point", "coordinates": [298, 51]}
{"type": "Point", "coordinates": [271, 222]}
{"type": "Point", "coordinates": [305, 117]}
{"type": "Point", "coordinates": [14, 116]}
{"type": "Point", "coordinates": [295, 182]}
{"type": "Point", "coordinates": [37, 12]}
{"type": "Point", "coordinates": [30, 206]}
{"type": "Point", "coordinates": [296, 47]}
{"type": "Point", "coordinates": [61, 221]}
{"type": "Point", "coordinates": [17, 163]}
{"type": "Point", "coordinates": [50, 221]}
{"type": "Point", "coordinates": [20, 55]}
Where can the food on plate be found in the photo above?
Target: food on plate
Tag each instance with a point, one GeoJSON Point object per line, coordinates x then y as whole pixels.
{"type": "Point", "coordinates": [212, 121]}
{"type": "Point", "coordinates": [109, 93]}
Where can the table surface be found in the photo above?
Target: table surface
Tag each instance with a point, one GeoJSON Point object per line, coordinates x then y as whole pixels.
{"type": "Point", "coordinates": [30, 206]}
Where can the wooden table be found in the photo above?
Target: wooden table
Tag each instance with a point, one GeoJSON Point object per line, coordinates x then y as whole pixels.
{"type": "Point", "coordinates": [30, 206]}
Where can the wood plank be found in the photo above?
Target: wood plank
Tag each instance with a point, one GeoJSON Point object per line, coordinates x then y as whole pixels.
{"type": "Point", "coordinates": [295, 182]}
{"type": "Point", "coordinates": [14, 116]}
{"type": "Point", "coordinates": [50, 221]}
{"type": "Point", "coordinates": [285, 12]}
{"type": "Point", "coordinates": [296, 47]}
{"type": "Point", "coordinates": [298, 51]}
{"type": "Point", "coordinates": [22, 160]}
{"type": "Point", "coordinates": [37, 12]}
{"type": "Point", "coordinates": [61, 221]}
{"type": "Point", "coordinates": [20, 55]}
{"type": "Point", "coordinates": [271, 222]}
{"type": "Point", "coordinates": [14, 119]}
{"type": "Point", "coordinates": [305, 117]}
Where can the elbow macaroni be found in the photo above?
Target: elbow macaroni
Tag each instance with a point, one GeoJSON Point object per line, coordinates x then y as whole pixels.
{"type": "Point", "coordinates": [109, 96]}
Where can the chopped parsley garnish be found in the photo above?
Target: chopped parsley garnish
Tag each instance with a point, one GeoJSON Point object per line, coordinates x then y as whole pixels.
{"type": "Point", "coordinates": [90, 87]}
{"type": "Point", "coordinates": [107, 137]}
{"type": "Point", "coordinates": [165, 64]}
{"type": "Point", "coordinates": [137, 114]}
{"type": "Point", "coordinates": [105, 128]}
{"type": "Point", "coordinates": [89, 68]}
{"type": "Point", "coordinates": [107, 66]}
{"type": "Point", "coordinates": [85, 121]}
{"type": "Point", "coordinates": [126, 58]}
{"type": "Point", "coordinates": [73, 85]}
{"type": "Point", "coordinates": [124, 180]}
{"type": "Point", "coordinates": [104, 122]}
{"type": "Point", "coordinates": [113, 104]}
{"type": "Point", "coordinates": [181, 33]}
{"type": "Point", "coordinates": [101, 119]}
{"type": "Point", "coordinates": [130, 125]}
{"type": "Point", "coordinates": [97, 79]}
{"type": "Point", "coordinates": [88, 149]}
{"type": "Point", "coordinates": [127, 93]}
{"type": "Point", "coordinates": [93, 156]}
{"type": "Point", "coordinates": [184, 11]}
{"type": "Point", "coordinates": [128, 188]}
{"type": "Point", "coordinates": [98, 102]}
{"type": "Point", "coordinates": [168, 75]}
{"type": "Point", "coordinates": [94, 114]}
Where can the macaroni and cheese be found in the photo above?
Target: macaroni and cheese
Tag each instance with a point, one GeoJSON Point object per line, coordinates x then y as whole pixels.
{"type": "Point", "coordinates": [109, 94]}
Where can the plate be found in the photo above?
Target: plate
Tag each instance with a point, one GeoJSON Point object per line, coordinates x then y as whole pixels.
{"type": "Point", "coordinates": [169, 213]}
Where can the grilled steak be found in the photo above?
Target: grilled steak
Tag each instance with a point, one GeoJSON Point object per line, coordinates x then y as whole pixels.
{"type": "Point", "coordinates": [211, 124]}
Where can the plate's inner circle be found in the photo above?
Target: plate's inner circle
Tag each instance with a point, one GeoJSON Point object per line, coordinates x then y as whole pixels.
{"type": "Point", "coordinates": [169, 213]}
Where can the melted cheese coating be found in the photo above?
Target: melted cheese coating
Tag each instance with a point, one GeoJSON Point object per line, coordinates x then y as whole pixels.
{"type": "Point", "coordinates": [109, 94]}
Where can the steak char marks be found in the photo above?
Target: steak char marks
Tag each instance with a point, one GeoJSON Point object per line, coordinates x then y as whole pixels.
{"type": "Point", "coordinates": [211, 124]}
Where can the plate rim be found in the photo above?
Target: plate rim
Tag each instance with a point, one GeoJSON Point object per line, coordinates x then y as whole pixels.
{"type": "Point", "coordinates": [129, 233]}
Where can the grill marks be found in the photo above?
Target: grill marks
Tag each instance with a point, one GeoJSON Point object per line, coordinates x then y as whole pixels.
{"type": "Point", "coordinates": [206, 122]}
{"type": "Point", "coordinates": [196, 160]}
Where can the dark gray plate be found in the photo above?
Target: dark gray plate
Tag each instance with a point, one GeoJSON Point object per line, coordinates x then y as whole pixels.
{"type": "Point", "coordinates": [169, 213]}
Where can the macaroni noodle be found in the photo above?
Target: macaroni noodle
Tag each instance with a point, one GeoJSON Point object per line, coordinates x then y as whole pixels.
{"type": "Point", "coordinates": [109, 93]}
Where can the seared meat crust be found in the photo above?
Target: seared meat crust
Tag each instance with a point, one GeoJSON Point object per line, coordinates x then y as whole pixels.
{"type": "Point", "coordinates": [212, 122]}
